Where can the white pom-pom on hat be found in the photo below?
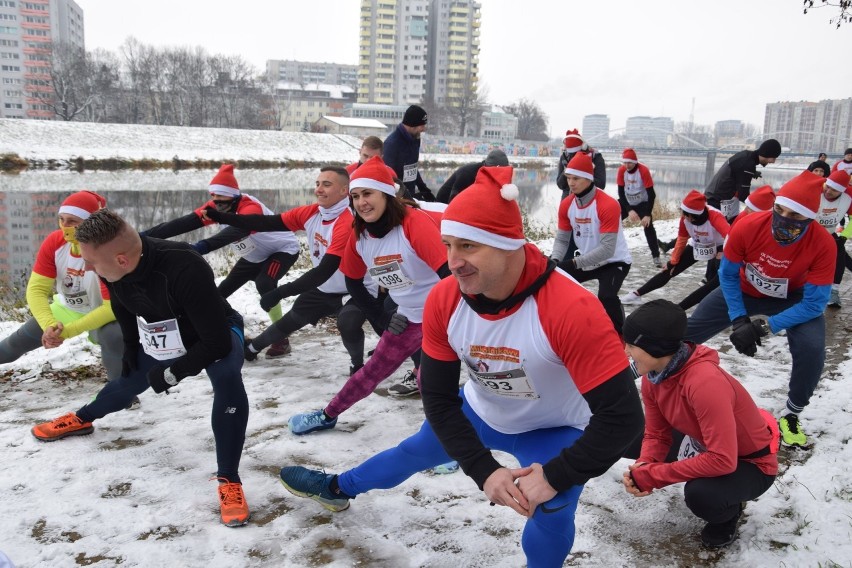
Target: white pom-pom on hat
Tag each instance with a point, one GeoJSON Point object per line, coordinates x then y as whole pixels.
{"type": "Point", "coordinates": [510, 192]}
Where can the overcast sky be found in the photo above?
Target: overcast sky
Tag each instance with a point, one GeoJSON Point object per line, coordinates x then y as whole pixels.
{"type": "Point", "coordinates": [617, 57]}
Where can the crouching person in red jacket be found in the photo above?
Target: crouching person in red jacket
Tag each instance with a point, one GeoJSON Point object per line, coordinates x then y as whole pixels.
{"type": "Point", "coordinates": [701, 425]}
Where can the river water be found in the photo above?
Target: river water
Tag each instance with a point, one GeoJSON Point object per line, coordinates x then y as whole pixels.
{"type": "Point", "coordinates": [29, 200]}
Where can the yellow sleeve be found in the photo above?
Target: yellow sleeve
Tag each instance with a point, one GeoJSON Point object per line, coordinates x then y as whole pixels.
{"type": "Point", "coordinates": [847, 232]}
{"type": "Point", "coordinates": [98, 317]}
{"type": "Point", "coordinates": [39, 292]}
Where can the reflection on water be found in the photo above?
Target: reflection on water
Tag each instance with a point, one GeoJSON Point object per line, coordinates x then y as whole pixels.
{"type": "Point", "coordinates": [29, 201]}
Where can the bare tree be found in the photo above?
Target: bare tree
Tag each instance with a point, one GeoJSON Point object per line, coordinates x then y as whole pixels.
{"type": "Point", "coordinates": [68, 91]}
{"type": "Point", "coordinates": [532, 120]}
{"type": "Point", "coordinates": [845, 6]}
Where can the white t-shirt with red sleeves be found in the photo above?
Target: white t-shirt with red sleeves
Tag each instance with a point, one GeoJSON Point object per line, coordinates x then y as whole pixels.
{"type": "Point", "coordinates": [770, 270]}
{"type": "Point", "coordinates": [842, 165]}
{"type": "Point", "coordinates": [79, 289]}
{"type": "Point", "coordinates": [324, 237]}
{"type": "Point", "coordinates": [636, 183]}
{"type": "Point", "coordinates": [601, 215]}
{"type": "Point", "coordinates": [262, 245]}
{"type": "Point", "coordinates": [706, 237]}
{"type": "Point", "coordinates": [529, 367]}
{"type": "Point", "coordinates": [831, 213]}
{"type": "Point", "coordinates": [405, 261]}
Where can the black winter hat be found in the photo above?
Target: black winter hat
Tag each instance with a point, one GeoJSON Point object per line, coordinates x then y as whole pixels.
{"type": "Point", "coordinates": [848, 151]}
{"type": "Point", "coordinates": [820, 164]}
{"type": "Point", "coordinates": [415, 116]}
{"type": "Point", "coordinates": [657, 327]}
{"type": "Point", "coordinates": [770, 148]}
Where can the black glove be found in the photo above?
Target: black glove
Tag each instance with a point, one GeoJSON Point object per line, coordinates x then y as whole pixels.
{"type": "Point", "coordinates": [746, 334]}
{"type": "Point", "coordinates": [161, 378]}
{"type": "Point", "coordinates": [212, 213]}
{"type": "Point", "coordinates": [756, 175]}
{"type": "Point", "coordinates": [397, 323]}
{"type": "Point", "coordinates": [270, 299]}
{"type": "Point", "coordinates": [130, 359]}
{"type": "Point", "coordinates": [201, 247]}
{"type": "Point", "coordinates": [425, 195]}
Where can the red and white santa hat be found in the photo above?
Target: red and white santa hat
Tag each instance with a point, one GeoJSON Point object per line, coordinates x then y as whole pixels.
{"type": "Point", "coordinates": [82, 204]}
{"type": "Point", "coordinates": [573, 142]}
{"type": "Point", "coordinates": [581, 166]}
{"type": "Point", "coordinates": [838, 180]}
{"type": "Point", "coordinates": [373, 174]}
{"type": "Point", "coordinates": [802, 194]}
{"type": "Point", "coordinates": [487, 212]}
{"type": "Point", "coordinates": [694, 203]}
{"type": "Point", "coordinates": [224, 182]}
{"type": "Point", "coordinates": [629, 155]}
{"type": "Point", "coordinates": [761, 199]}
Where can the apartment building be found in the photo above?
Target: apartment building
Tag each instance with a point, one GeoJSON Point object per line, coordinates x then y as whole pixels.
{"type": "Point", "coordinates": [27, 31]}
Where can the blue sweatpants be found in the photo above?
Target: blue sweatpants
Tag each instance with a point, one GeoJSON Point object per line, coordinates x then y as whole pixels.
{"type": "Point", "coordinates": [230, 402]}
{"type": "Point", "coordinates": [548, 535]}
{"type": "Point", "coordinates": [806, 340]}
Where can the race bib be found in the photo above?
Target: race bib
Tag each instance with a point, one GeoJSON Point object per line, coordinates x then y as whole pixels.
{"type": "Point", "coordinates": [243, 247]}
{"type": "Point", "coordinates": [78, 301]}
{"type": "Point", "coordinates": [774, 287]}
{"type": "Point", "coordinates": [730, 207]}
{"type": "Point", "coordinates": [390, 276]}
{"type": "Point", "coordinates": [689, 448]}
{"type": "Point", "coordinates": [409, 173]}
{"type": "Point", "coordinates": [161, 340]}
{"type": "Point", "coordinates": [512, 383]}
{"type": "Point", "coordinates": [635, 198]}
{"type": "Point", "coordinates": [703, 251]}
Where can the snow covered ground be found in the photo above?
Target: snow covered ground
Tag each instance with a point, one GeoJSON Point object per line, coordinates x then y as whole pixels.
{"type": "Point", "coordinates": [136, 491]}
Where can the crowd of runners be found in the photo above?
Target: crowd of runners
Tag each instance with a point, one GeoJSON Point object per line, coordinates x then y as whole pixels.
{"type": "Point", "coordinates": [508, 350]}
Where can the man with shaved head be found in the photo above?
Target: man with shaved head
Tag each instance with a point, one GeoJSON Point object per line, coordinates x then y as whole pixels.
{"type": "Point", "coordinates": [175, 324]}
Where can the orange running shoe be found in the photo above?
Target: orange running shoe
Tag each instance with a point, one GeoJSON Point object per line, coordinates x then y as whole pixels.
{"type": "Point", "coordinates": [232, 503]}
{"type": "Point", "coordinates": [66, 425]}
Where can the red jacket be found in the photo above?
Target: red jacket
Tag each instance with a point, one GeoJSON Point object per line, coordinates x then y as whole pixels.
{"type": "Point", "coordinates": [707, 404]}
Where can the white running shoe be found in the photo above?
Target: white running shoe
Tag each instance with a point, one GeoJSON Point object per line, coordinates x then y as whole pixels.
{"type": "Point", "coordinates": [630, 298]}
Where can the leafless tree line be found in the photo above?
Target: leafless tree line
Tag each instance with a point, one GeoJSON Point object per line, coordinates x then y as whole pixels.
{"type": "Point", "coordinates": [142, 84]}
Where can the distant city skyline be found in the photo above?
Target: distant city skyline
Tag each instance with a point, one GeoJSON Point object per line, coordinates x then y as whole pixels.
{"type": "Point", "coordinates": [612, 57]}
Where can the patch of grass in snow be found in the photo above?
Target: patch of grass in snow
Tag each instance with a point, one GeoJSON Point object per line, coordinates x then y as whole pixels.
{"type": "Point", "coordinates": [12, 163]}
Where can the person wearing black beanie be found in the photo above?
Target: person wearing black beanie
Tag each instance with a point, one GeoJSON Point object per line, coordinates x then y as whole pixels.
{"type": "Point", "coordinates": [701, 425]}
{"type": "Point", "coordinates": [731, 184]}
{"type": "Point", "coordinates": [402, 153]}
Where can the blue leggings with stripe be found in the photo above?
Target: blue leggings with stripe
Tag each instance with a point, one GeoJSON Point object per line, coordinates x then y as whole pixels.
{"type": "Point", "coordinates": [548, 537]}
{"type": "Point", "coordinates": [230, 402]}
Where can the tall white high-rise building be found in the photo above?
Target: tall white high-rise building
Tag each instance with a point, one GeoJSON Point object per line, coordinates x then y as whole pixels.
{"type": "Point", "coordinates": [813, 127]}
{"type": "Point", "coordinates": [596, 129]}
{"type": "Point", "coordinates": [411, 50]}
{"type": "Point", "coordinates": [452, 69]}
{"type": "Point", "coordinates": [27, 31]}
{"type": "Point", "coordinates": [392, 51]}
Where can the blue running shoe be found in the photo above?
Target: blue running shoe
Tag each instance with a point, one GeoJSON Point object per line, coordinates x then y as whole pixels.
{"type": "Point", "coordinates": [304, 482]}
{"type": "Point", "coordinates": [445, 468]}
{"type": "Point", "coordinates": [310, 422]}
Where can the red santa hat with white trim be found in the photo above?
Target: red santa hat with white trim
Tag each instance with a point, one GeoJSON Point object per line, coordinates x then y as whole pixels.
{"type": "Point", "coordinates": [373, 174]}
{"type": "Point", "coordinates": [629, 155]}
{"type": "Point", "coordinates": [573, 142]}
{"type": "Point", "coordinates": [224, 182]}
{"type": "Point", "coordinates": [838, 180]}
{"type": "Point", "coordinates": [694, 203]}
{"type": "Point", "coordinates": [802, 194]}
{"type": "Point", "coordinates": [82, 204]}
{"type": "Point", "coordinates": [487, 212]}
{"type": "Point", "coordinates": [761, 199]}
{"type": "Point", "coordinates": [581, 166]}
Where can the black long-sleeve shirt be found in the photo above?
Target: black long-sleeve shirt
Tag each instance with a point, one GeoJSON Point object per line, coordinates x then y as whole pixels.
{"type": "Point", "coordinates": [174, 282]}
{"type": "Point", "coordinates": [733, 179]}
